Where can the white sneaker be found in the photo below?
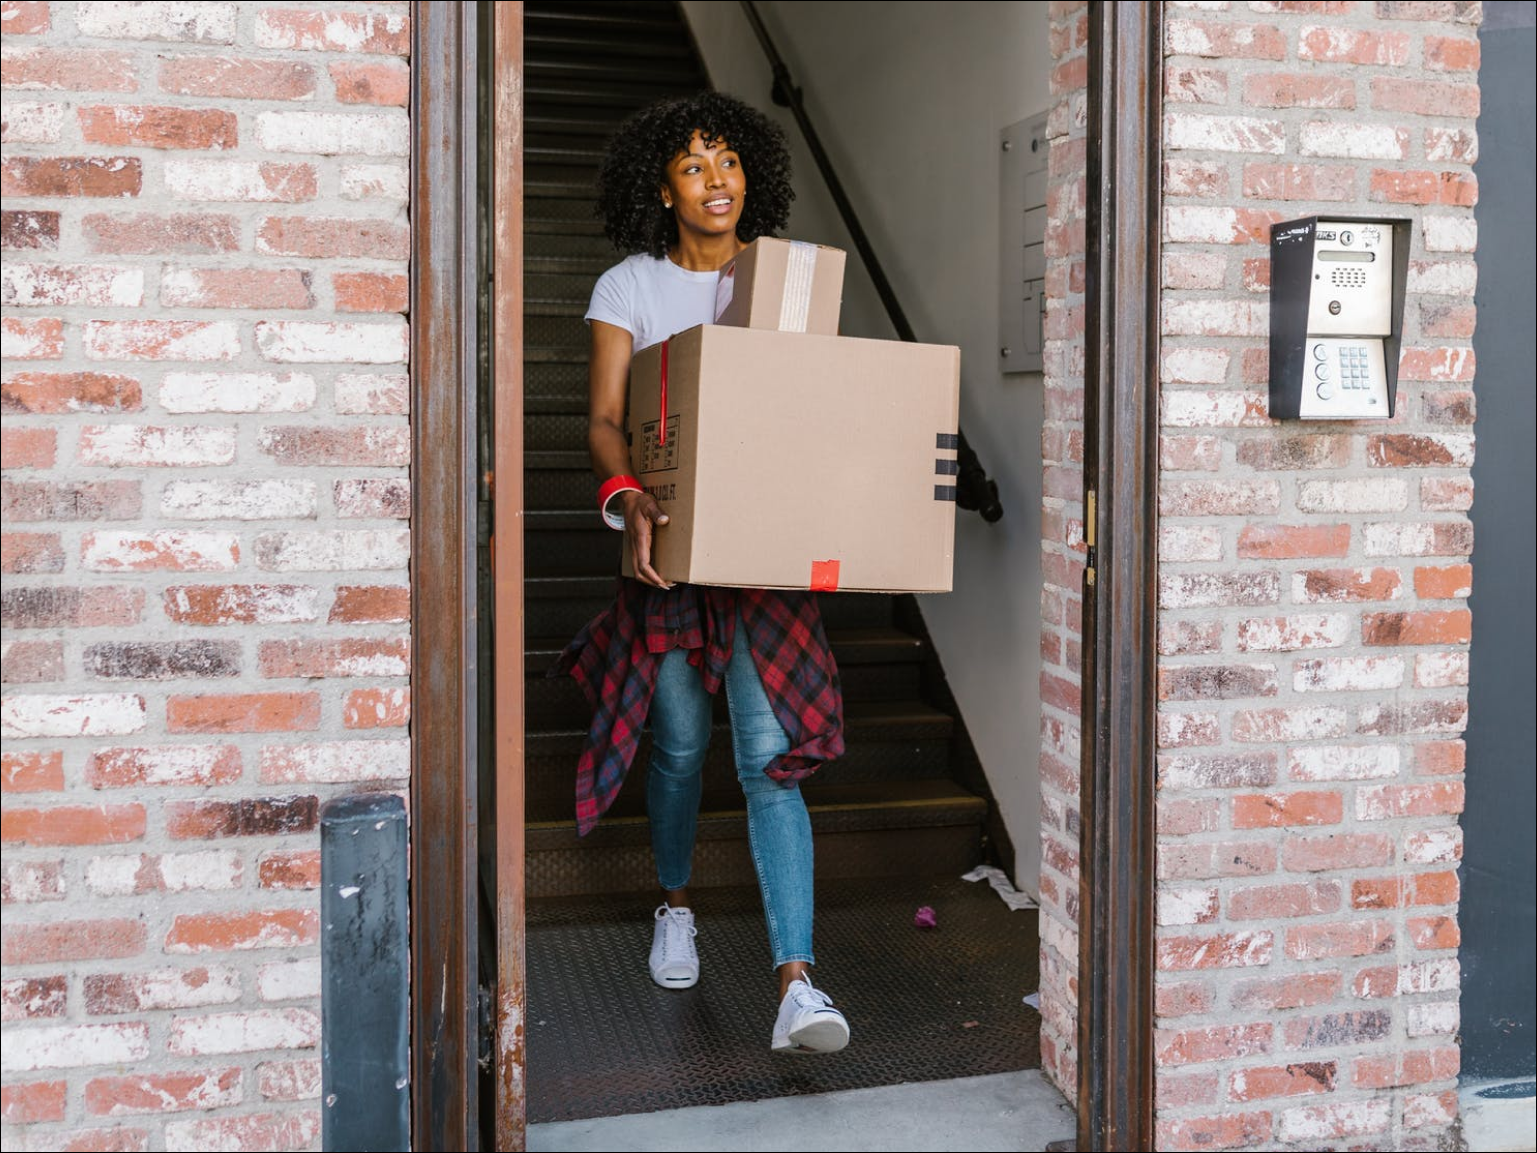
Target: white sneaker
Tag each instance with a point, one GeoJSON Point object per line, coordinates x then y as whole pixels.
{"type": "Point", "coordinates": [674, 961]}
{"type": "Point", "coordinates": [807, 1022]}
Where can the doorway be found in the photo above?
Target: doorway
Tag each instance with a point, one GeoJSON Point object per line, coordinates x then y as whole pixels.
{"type": "Point", "coordinates": [447, 1015]}
{"type": "Point", "coordinates": [897, 820]}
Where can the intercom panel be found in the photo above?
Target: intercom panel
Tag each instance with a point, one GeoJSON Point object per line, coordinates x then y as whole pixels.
{"type": "Point", "coordinates": [1336, 316]}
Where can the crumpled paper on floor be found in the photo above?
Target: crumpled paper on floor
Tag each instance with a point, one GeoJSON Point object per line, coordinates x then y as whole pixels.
{"type": "Point", "coordinates": [999, 880]}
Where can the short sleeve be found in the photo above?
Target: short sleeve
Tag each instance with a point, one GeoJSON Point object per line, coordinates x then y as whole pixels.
{"type": "Point", "coordinates": [613, 299]}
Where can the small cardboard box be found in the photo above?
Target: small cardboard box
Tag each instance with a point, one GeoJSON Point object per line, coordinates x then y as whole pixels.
{"type": "Point", "coordinates": [788, 285]}
{"type": "Point", "coordinates": [797, 461]}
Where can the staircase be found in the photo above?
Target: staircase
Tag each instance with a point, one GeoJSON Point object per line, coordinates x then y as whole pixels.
{"type": "Point", "coordinates": [908, 798]}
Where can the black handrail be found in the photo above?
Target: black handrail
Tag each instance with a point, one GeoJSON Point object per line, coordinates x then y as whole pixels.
{"type": "Point", "coordinates": [974, 488]}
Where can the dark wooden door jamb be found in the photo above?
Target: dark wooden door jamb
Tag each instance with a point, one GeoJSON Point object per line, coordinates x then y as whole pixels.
{"type": "Point", "coordinates": [1121, 369]}
{"type": "Point", "coordinates": [444, 979]}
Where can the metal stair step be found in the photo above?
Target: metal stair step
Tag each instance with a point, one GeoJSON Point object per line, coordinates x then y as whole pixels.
{"type": "Point", "coordinates": [898, 828]}
{"type": "Point", "coordinates": [887, 741]}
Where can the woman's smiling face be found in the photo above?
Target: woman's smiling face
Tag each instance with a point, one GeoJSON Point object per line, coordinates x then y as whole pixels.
{"type": "Point", "coordinates": [704, 188]}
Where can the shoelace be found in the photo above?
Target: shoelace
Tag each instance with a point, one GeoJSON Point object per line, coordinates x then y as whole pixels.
{"type": "Point", "coordinates": [810, 997]}
{"type": "Point", "coordinates": [673, 927]}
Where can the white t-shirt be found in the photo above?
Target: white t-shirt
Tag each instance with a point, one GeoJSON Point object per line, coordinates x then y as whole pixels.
{"type": "Point", "coordinates": [653, 299]}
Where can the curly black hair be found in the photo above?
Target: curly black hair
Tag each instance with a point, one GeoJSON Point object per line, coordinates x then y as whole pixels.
{"type": "Point", "coordinates": [638, 154]}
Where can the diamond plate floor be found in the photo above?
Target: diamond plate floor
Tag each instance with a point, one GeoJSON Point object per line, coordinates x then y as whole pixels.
{"type": "Point", "coordinates": [922, 1005]}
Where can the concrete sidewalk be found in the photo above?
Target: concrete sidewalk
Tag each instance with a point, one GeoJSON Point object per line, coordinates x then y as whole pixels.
{"type": "Point", "coordinates": [1002, 1111]}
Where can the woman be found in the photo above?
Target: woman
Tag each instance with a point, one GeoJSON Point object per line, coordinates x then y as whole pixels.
{"type": "Point", "coordinates": [685, 186]}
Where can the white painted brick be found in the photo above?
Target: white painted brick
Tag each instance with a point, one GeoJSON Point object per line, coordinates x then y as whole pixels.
{"type": "Point", "coordinates": [118, 876]}
{"type": "Point", "coordinates": [375, 182]}
{"type": "Point", "coordinates": [30, 285]}
{"type": "Point", "coordinates": [383, 133]}
{"type": "Point", "coordinates": [1348, 674]}
{"type": "Point", "coordinates": [1328, 1124]}
{"type": "Point", "coordinates": [173, 764]}
{"type": "Point", "coordinates": [1450, 233]}
{"type": "Point", "coordinates": [186, 988]}
{"type": "Point", "coordinates": [1303, 631]}
{"type": "Point", "coordinates": [1216, 317]}
{"type": "Point", "coordinates": [185, 550]}
{"type": "Point", "coordinates": [140, 446]}
{"type": "Point", "coordinates": [237, 392]}
{"type": "Point", "coordinates": [28, 882]}
{"type": "Point", "coordinates": [1179, 729]}
{"type": "Point", "coordinates": [1441, 975]}
{"type": "Point", "coordinates": [90, 715]}
{"type": "Point", "coordinates": [1365, 494]}
{"type": "Point", "coordinates": [1423, 1110]}
{"type": "Point", "coordinates": [337, 761]}
{"type": "Point", "coordinates": [1392, 538]}
{"type": "Point", "coordinates": [1343, 762]}
{"type": "Point", "coordinates": [22, 344]}
{"type": "Point", "coordinates": [126, 340]}
{"type": "Point", "coordinates": [336, 550]}
{"type": "Point", "coordinates": [1187, 906]}
{"type": "Point", "coordinates": [1182, 409]}
{"type": "Point", "coordinates": [1439, 670]}
{"type": "Point", "coordinates": [73, 1046]}
{"type": "Point", "coordinates": [198, 23]}
{"type": "Point", "coordinates": [1433, 846]}
{"type": "Point", "coordinates": [342, 31]}
{"type": "Point", "coordinates": [289, 980]}
{"type": "Point", "coordinates": [273, 604]}
{"type": "Point", "coordinates": [1189, 543]}
{"type": "Point", "coordinates": [1303, 595]}
{"type": "Point", "coordinates": [244, 1032]}
{"type": "Point", "coordinates": [1195, 365]}
{"type": "Point", "coordinates": [321, 342]}
{"type": "Point", "coordinates": [1200, 224]}
{"type": "Point", "coordinates": [33, 122]}
{"type": "Point", "coordinates": [383, 393]}
{"type": "Point", "coordinates": [229, 180]}
{"type": "Point", "coordinates": [1294, 724]}
{"type": "Point", "coordinates": [1432, 1020]}
{"type": "Point", "coordinates": [239, 499]}
{"type": "Point", "coordinates": [1353, 140]}
{"type": "Point", "coordinates": [1443, 277]}
{"type": "Point", "coordinates": [1252, 134]}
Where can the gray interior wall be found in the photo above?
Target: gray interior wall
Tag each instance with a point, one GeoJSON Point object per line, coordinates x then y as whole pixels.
{"type": "Point", "coordinates": [909, 99]}
{"type": "Point", "coordinates": [1499, 865]}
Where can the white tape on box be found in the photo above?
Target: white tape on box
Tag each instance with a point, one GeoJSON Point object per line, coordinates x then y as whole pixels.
{"type": "Point", "coordinates": [795, 310]}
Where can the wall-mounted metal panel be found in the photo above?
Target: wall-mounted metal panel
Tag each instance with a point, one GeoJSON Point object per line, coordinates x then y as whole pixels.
{"type": "Point", "coordinates": [1022, 235]}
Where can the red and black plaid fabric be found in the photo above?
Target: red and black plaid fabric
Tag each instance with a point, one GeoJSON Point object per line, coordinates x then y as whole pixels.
{"type": "Point", "coordinates": [616, 655]}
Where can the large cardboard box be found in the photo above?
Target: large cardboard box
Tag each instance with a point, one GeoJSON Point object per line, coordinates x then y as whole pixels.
{"type": "Point", "coordinates": [789, 285]}
{"type": "Point", "coordinates": [799, 461]}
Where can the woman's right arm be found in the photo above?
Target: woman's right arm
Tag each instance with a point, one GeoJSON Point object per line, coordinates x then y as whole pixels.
{"type": "Point", "coordinates": [608, 382]}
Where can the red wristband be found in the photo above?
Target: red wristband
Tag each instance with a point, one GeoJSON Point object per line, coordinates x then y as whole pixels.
{"type": "Point", "coordinates": [608, 490]}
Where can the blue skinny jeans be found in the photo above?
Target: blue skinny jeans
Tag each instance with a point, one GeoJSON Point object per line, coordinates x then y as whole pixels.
{"type": "Point", "coordinates": [778, 827]}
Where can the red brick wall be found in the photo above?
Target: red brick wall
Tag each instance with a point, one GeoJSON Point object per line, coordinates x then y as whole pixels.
{"type": "Point", "coordinates": [1313, 629]}
{"type": "Point", "coordinates": [205, 452]}
{"type": "Point", "coordinates": [1062, 547]}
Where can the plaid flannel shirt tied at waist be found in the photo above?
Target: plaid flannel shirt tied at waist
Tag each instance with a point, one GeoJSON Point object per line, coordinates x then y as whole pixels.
{"type": "Point", "coordinates": [616, 656]}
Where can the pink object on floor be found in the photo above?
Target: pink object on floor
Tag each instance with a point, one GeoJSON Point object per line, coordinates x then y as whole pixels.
{"type": "Point", "coordinates": [924, 918]}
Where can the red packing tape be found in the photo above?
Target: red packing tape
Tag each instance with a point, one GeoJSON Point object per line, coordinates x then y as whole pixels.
{"type": "Point", "coordinates": [661, 432]}
{"type": "Point", "coordinates": [824, 576]}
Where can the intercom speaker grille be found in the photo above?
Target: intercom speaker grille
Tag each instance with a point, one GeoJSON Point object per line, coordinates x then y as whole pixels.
{"type": "Point", "coordinates": [1347, 278]}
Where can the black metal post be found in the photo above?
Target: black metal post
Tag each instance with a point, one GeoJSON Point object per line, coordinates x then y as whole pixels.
{"type": "Point", "coordinates": [365, 978]}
